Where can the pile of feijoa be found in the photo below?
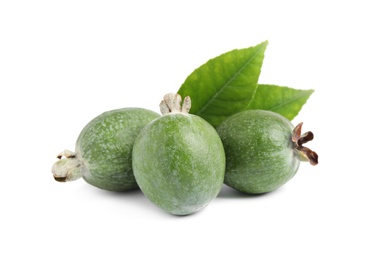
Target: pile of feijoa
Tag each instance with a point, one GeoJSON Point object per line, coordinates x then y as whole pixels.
{"type": "Point", "coordinates": [225, 131]}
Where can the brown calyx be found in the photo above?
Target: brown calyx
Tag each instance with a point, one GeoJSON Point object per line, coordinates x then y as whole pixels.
{"type": "Point", "coordinates": [299, 139]}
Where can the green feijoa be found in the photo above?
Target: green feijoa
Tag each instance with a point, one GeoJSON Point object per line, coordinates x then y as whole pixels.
{"type": "Point", "coordinates": [103, 152]}
{"type": "Point", "coordinates": [263, 150]}
{"type": "Point", "coordinates": [178, 159]}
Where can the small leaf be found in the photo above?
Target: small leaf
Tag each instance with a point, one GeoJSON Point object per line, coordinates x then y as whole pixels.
{"type": "Point", "coordinates": [224, 85]}
{"type": "Point", "coordinates": [283, 100]}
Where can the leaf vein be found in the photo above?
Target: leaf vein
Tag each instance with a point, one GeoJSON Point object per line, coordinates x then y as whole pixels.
{"type": "Point", "coordinates": [229, 81]}
{"type": "Point", "coordinates": [289, 101]}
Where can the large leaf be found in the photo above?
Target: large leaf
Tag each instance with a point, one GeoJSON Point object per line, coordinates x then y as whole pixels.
{"type": "Point", "coordinates": [283, 100]}
{"type": "Point", "coordinates": [224, 85]}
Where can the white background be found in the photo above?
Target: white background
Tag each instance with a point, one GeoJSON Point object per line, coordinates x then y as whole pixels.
{"type": "Point", "coordinates": [64, 62]}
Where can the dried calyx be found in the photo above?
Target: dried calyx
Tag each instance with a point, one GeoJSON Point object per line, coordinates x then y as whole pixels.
{"type": "Point", "coordinates": [172, 104]}
{"type": "Point", "coordinates": [69, 168]}
{"type": "Point", "coordinates": [299, 139]}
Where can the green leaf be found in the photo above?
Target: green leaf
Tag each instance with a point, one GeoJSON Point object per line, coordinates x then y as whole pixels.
{"type": "Point", "coordinates": [283, 100]}
{"type": "Point", "coordinates": [224, 85]}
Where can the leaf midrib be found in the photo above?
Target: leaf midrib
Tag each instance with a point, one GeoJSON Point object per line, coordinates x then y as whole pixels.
{"type": "Point", "coordinates": [228, 82]}
{"type": "Point", "coordinates": [290, 101]}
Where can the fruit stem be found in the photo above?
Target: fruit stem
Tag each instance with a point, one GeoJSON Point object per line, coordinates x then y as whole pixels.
{"type": "Point", "coordinates": [304, 153]}
{"type": "Point", "coordinates": [172, 104]}
{"type": "Point", "coordinates": [69, 168]}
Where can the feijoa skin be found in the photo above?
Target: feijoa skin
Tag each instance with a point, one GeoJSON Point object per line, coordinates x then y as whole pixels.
{"type": "Point", "coordinates": [103, 152]}
{"type": "Point", "coordinates": [263, 150]}
{"type": "Point", "coordinates": [178, 159]}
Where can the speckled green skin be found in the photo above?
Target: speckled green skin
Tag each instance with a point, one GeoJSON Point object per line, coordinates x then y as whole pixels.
{"type": "Point", "coordinates": [259, 151]}
{"type": "Point", "coordinates": [179, 163]}
{"type": "Point", "coordinates": [105, 147]}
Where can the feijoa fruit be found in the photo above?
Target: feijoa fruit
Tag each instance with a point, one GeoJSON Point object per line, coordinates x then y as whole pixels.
{"type": "Point", "coordinates": [178, 159]}
{"type": "Point", "coordinates": [103, 152]}
{"type": "Point", "coordinates": [263, 150]}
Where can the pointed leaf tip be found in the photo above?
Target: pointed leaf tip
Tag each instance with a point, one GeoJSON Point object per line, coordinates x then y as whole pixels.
{"type": "Point", "coordinates": [225, 84]}
{"type": "Point", "coordinates": [283, 100]}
